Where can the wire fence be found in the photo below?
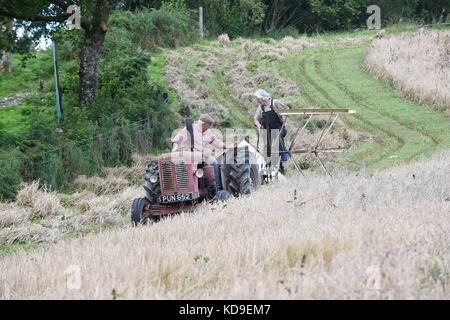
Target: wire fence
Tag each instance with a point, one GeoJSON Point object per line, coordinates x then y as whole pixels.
{"type": "Point", "coordinates": [58, 167]}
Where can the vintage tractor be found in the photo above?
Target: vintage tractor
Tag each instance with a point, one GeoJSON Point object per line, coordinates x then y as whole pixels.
{"type": "Point", "coordinates": [179, 181]}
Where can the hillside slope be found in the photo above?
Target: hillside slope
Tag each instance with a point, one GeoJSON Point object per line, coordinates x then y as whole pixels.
{"type": "Point", "coordinates": [309, 72]}
{"type": "Point", "coordinates": [381, 236]}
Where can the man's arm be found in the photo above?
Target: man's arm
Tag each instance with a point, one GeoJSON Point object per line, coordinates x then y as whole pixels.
{"type": "Point", "coordinates": [175, 146]}
{"type": "Point", "coordinates": [219, 144]}
{"type": "Point", "coordinates": [178, 139]}
{"type": "Point", "coordinates": [258, 118]}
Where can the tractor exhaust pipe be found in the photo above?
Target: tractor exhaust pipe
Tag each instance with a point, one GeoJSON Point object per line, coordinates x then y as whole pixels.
{"type": "Point", "coordinates": [190, 130]}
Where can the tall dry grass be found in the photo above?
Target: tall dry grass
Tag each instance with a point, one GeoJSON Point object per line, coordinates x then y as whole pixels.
{"type": "Point", "coordinates": [385, 236]}
{"type": "Point", "coordinates": [42, 216]}
{"type": "Point", "coordinates": [418, 64]}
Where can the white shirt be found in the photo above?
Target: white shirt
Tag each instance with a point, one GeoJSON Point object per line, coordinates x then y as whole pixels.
{"type": "Point", "coordinates": [201, 139]}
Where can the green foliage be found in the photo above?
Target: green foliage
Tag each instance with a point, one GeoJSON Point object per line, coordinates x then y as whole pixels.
{"type": "Point", "coordinates": [126, 91]}
{"type": "Point", "coordinates": [340, 14]}
{"type": "Point", "coordinates": [10, 178]}
{"type": "Point", "coordinates": [246, 17]}
{"type": "Point", "coordinates": [421, 11]}
{"type": "Point", "coordinates": [234, 17]}
{"type": "Point", "coordinates": [27, 69]}
{"type": "Point", "coordinates": [6, 36]}
{"type": "Point", "coordinates": [332, 15]}
{"type": "Point", "coordinates": [130, 113]}
{"type": "Point", "coordinates": [171, 26]}
{"type": "Point", "coordinates": [12, 122]}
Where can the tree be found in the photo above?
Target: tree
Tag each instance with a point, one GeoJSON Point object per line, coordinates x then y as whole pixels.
{"type": "Point", "coordinates": [94, 22]}
{"type": "Point", "coordinates": [434, 11]}
{"type": "Point", "coordinates": [235, 17]}
{"type": "Point", "coordinates": [282, 13]}
{"type": "Point", "coordinates": [6, 45]}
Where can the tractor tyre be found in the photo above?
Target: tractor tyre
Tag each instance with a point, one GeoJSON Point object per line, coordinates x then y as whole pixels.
{"type": "Point", "coordinates": [152, 190]}
{"type": "Point", "coordinates": [137, 212]}
{"type": "Point", "coordinates": [243, 178]}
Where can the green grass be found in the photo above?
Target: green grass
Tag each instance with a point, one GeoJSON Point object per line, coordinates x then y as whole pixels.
{"type": "Point", "coordinates": [86, 231]}
{"type": "Point", "coordinates": [24, 79]}
{"type": "Point", "coordinates": [156, 74]}
{"type": "Point", "coordinates": [220, 93]}
{"type": "Point", "coordinates": [14, 248]}
{"type": "Point", "coordinates": [225, 98]}
{"type": "Point", "coordinates": [26, 75]}
{"type": "Point", "coordinates": [12, 120]}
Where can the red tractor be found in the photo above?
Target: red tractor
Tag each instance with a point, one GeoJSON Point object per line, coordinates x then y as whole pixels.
{"type": "Point", "coordinates": [179, 181]}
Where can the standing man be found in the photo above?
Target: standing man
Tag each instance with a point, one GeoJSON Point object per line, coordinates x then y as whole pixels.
{"type": "Point", "coordinates": [267, 118]}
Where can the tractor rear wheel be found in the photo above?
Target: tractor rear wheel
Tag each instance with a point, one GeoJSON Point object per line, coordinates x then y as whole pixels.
{"type": "Point", "coordinates": [244, 177]}
{"type": "Point", "coordinates": [137, 212]}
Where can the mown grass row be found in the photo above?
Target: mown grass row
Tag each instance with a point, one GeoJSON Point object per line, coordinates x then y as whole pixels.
{"type": "Point", "coordinates": [333, 76]}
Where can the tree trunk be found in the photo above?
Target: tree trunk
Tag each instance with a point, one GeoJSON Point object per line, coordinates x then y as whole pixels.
{"type": "Point", "coordinates": [444, 15]}
{"type": "Point", "coordinates": [91, 52]}
{"type": "Point", "coordinates": [6, 55]}
{"type": "Point", "coordinates": [89, 67]}
{"type": "Point", "coordinates": [6, 62]}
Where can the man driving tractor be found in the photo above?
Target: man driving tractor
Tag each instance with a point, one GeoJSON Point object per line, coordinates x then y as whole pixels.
{"type": "Point", "coordinates": [203, 137]}
{"type": "Point", "coordinates": [267, 118]}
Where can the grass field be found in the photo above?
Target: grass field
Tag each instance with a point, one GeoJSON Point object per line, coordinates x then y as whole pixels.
{"type": "Point", "coordinates": [26, 74]}
{"type": "Point", "coordinates": [324, 72]}
{"type": "Point", "coordinates": [381, 234]}
{"type": "Point", "coordinates": [403, 130]}
{"type": "Point", "coordinates": [12, 120]}
{"type": "Point", "coordinates": [24, 81]}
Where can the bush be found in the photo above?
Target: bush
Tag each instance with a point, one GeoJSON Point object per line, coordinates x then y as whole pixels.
{"type": "Point", "coordinates": [127, 93]}
{"type": "Point", "coordinates": [11, 161]}
{"type": "Point", "coordinates": [149, 29]}
{"type": "Point", "coordinates": [130, 114]}
{"type": "Point", "coordinates": [340, 15]}
{"type": "Point", "coordinates": [235, 18]}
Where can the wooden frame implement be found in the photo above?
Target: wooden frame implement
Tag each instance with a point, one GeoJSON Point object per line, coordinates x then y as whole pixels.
{"type": "Point", "coordinates": [316, 149]}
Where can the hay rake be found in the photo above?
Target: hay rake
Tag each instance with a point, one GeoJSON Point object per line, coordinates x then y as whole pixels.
{"type": "Point", "coordinates": [316, 150]}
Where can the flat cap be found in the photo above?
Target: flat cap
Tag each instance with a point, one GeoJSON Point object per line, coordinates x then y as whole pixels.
{"type": "Point", "coordinates": [206, 118]}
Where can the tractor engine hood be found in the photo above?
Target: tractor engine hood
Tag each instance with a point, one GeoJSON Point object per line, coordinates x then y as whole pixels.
{"type": "Point", "coordinates": [177, 172]}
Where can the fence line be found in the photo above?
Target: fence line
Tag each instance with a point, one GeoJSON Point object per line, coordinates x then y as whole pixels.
{"type": "Point", "coordinates": [65, 162]}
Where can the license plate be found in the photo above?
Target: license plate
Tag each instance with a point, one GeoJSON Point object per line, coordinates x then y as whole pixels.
{"type": "Point", "coordinates": [177, 198]}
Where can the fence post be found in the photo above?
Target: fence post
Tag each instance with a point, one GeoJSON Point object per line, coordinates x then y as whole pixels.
{"type": "Point", "coordinates": [200, 22]}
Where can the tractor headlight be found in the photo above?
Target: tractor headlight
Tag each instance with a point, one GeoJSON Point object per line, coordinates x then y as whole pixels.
{"type": "Point", "coordinates": [199, 173]}
{"type": "Point", "coordinates": [153, 179]}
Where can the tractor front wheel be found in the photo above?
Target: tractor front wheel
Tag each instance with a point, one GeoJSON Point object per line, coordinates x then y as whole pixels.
{"type": "Point", "coordinates": [137, 212]}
